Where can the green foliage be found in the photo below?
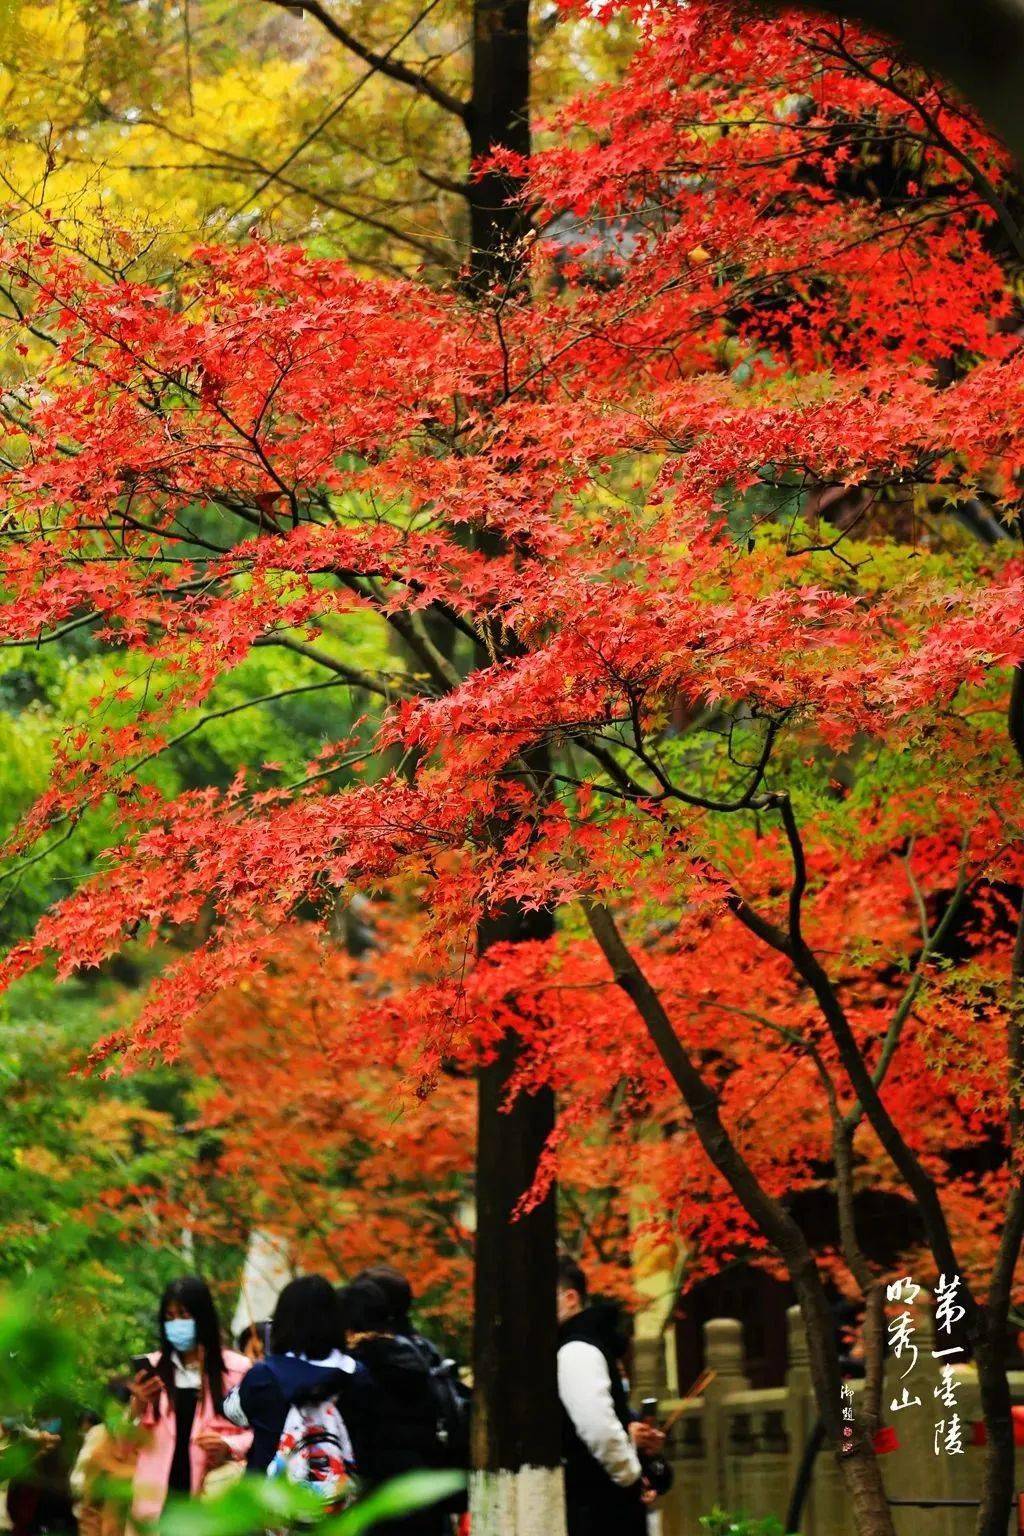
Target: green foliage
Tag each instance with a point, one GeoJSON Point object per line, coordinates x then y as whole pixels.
{"type": "Point", "coordinates": [36, 1362]}
{"type": "Point", "coordinates": [36, 1372]}
{"type": "Point", "coordinates": [720, 1523]}
{"type": "Point", "coordinates": [402, 1496]}
{"type": "Point", "coordinates": [260, 1503]}
{"type": "Point", "coordinates": [86, 1165]}
{"type": "Point", "coordinates": [263, 719]}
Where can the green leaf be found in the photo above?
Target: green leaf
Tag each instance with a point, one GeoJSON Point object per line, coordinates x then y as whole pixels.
{"type": "Point", "coordinates": [258, 1503]}
{"type": "Point", "coordinates": [253, 1504]}
{"type": "Point", "coordinates": [35, 1357]}
{"type": "Point", "coordinates": [402, 1496]}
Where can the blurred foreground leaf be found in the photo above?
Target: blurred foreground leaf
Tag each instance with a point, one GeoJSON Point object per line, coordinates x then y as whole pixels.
{"type": "Point", "coordinates": [261, 1503]}
{"type": "Point", "coordinates": [402, 1496]}
{"type": "Point", "coordinates": [36, 1357]}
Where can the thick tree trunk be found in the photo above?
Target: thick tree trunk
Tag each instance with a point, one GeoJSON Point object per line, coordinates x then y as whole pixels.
{"type": "Point", "coordinates": [998, 1485]}
{"type": "Point", "coordinates": [997, 1489]}
{"type": "Point", "coordinates": [863, 1478]}
{"type": "Point", "coordinates": [499, 115]}
{"type": "Point", "coordinates": [860, 1468]}
{"type": "Point", "coordinates": [516, 1487]}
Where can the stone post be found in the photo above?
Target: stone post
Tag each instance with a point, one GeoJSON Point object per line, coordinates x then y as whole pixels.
{"type": "Point", "coordinates": [801, 1409]}
{"type": "Point", "coordinates": [723, 1354]}
{"type": "Point", "coordinates": [655, 1266]}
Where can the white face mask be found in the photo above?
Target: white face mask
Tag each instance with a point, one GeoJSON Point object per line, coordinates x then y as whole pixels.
{"type": "Point", "coordinates": [180, 1333]}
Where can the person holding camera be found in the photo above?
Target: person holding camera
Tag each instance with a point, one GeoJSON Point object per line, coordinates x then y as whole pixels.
{"type": "Point", "coordinates": [606, 1492]}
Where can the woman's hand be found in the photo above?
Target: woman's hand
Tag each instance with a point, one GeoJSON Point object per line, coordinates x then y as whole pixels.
{"type": "Point", "coordinates": [214, 1447]}
{"type": "Point", "coordinates": [145, 1389]}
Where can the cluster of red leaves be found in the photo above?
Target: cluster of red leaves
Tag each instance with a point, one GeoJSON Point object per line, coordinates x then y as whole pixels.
{"type": "Point", "coordinates": [330, 1124]}
{"type": "Point", "coordinates": [344, 1116]}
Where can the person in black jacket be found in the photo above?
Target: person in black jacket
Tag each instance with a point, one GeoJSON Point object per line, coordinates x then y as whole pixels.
{"type": "Point", "coordinates": [398, 1294]}
{"type": "Point", "coordinates": [406, 1411]}
{"type": "Point", "coordinates": [605, 1491]}
{"type": "Point", "coordinates": [306, 1363]}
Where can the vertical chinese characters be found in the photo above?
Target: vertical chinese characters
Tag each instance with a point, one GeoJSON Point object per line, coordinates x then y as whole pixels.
{"type": "Point", "coordinates": [901, 1332]}
{"type": "Point", "coordinates": [847, 1395]}
{"type": "Point", "coordinates": [948, 1313]}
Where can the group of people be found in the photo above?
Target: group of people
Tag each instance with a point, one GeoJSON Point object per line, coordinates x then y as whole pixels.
{"type": "Point", "coordinates": [339, 1385]}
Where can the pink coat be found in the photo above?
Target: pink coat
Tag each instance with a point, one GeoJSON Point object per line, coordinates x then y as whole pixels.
{"type": "Point", "coordinates": [153, 1468]}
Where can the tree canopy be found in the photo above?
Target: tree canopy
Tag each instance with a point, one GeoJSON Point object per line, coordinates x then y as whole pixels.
{"type": "Point", "coordinates": [671, 585]}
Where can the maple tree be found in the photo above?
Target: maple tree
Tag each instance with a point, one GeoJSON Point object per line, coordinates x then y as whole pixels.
{"type": "Point", "coordinates": [689, 643]}
{"type": "Point", "coordinates": [305, 1081]}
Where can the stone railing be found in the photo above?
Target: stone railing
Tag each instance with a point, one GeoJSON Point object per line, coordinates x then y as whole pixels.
{"type": "Point", "coordinates": [741, 1448]}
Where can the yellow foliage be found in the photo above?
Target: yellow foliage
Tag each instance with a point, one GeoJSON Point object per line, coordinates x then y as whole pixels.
{"type": "Point", "coordinates": [169, 119]}
{"type": "Point", "coordinates": [42, 1161]}
{"type": "Point", "coordinates": [118, 1126]}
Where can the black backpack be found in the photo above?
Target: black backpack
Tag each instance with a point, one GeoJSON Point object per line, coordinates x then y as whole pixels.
{"type": "Point", "coordinates": [451, 1402]}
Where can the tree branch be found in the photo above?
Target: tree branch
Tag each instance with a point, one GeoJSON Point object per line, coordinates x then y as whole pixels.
{"type": "Point", "coordinates": [354, 675]}
{"type": "Point", "coordinates": [772, 1219]}
{"type": "Point", "coordinates": [393, 68]}
{"type": "Point", "coordinates": [932, 943]}
{"type": "Point", "coordinates": [810, 969]}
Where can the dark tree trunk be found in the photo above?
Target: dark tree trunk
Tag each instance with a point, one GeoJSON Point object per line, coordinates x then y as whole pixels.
{"type": "Point", "coordinates": [990, 1341]}
{"type": "Point", "coordinates": [517, 1478]}
{"type": "Point", "coordinates": [499, 115]}
{"type": "Point", "coordinates": [997, 1491]}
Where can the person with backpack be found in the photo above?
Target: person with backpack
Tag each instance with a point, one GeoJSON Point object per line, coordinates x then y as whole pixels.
{"type": "Point", "coordinates": [308, 1403]}
{"type": "Point", "coordinates": [410, 1430]}
{"type": "Point", "coordinates": [398, 1293]}
{"type": "Point", "coordinates": [453, 1399]}
{"type": "Point", "coordinates": [178, 1400]}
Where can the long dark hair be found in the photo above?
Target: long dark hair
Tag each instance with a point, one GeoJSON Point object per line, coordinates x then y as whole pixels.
{"type": "Point", "coordinates": [307, 1319]}
{"type": "Point", "coordinates": [193, 1293]}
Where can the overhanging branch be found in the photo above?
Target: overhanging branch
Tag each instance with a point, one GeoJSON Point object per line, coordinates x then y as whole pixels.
{"type": "Point", "coordinates": [393, 68]}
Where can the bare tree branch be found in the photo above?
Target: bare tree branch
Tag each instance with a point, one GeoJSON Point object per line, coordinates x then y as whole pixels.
{"type": "Point", "coordinates": [393, 68]}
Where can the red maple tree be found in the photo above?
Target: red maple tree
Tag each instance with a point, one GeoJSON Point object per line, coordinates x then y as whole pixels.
{"type": "Point", "coordinates": [691, 646]}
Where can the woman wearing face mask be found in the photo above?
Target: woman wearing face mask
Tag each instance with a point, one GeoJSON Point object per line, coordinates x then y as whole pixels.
{"type": "Point", "coordinates": [178, 1399]}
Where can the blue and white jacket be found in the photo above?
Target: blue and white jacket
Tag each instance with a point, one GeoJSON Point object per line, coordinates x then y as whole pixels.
{"type": "Point", "coordinates": [263, 1397]}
